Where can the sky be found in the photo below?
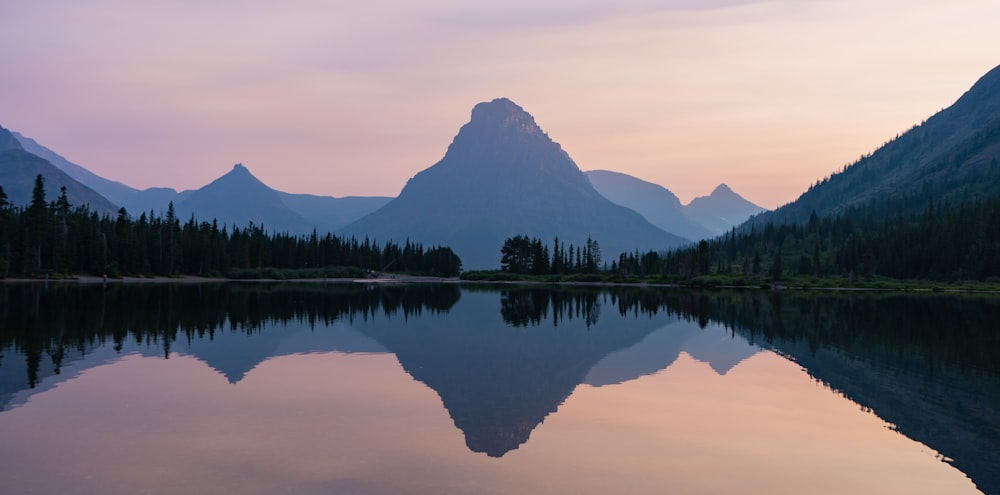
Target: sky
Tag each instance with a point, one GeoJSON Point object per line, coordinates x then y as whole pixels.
{"type": "Point", "coordinates": [354, 98]}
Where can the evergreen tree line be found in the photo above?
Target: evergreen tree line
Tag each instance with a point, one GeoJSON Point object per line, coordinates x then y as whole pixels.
{"type": "Point", "coordinates": [55, 237]}
{"type": "Point", "coordinates": [943, 244]}
{"type": "Point", "coordinates": [523, 255]}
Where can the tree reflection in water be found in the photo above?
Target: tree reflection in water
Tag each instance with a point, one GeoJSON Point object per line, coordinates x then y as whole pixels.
{"type": "Point", "coordinates": [929, 364]}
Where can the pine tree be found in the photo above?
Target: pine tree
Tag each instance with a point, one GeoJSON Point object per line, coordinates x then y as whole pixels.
{"type": "Point", "coordinates": [4, 234]}
{"type": "Point", "coordinates": [38, 223]}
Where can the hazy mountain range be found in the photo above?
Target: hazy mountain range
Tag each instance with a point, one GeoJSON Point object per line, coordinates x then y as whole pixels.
{"type": "Point", "coordinates": [18, 169]}
{"type": "Point", "coordinates": [704, 217]}
{"type": "Point", "coordinates": [234, 199]}
{"type": "Point", "coordinates": [501, 177]}
{"type": "Point", "coordinates": [115, 192]}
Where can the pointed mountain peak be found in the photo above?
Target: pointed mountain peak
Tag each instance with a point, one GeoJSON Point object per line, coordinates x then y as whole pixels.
{"type": "Point", "coordinates": [724, 193]}
{"type": "Point", "coordinates": [723, 190]}
{"type": "Point", "coordinates": [721, 210]}
{"type": "Point", "coordinates": [238, 198]}
{"type": "Point", "coordinates": [239, 178]}
{"type": "Point", "coordinates": [8, 141]}
{"type": "Point", "coordinates": [503, 113]}
{"type": "Point", "coordinates": [502, 176]}
{"type": "Point", "coordinates": [502, 145]}
{"type": "Point", "coordinates": [240, 172]}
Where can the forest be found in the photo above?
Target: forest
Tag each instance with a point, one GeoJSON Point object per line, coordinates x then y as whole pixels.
{"type": "Point", "coordinates": [57, 239]}
{"type": "Point", "coordinates": [942, 244]}
{"type": "Point", "coordinates": [523, 255]}
{"type": "Point", "coordinates": [946, 244]}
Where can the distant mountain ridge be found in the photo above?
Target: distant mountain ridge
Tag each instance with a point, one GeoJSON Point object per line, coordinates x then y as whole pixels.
{"type": "Point", "coordinates": [654, 202]}
{"type": "Point", "coordinates": [238, 199]}
{"type": "Point", "coordinates": [703, 218]}
{"type": "Point", "coordinates": [327, 213]}
{"type": "Point", "coordinates": [952, 157]}
{"type": "Point", "coordinates": [19, 168]}
{"type": "Point", "coordinates": [503, 176]}
{"type": "Point", "coordinates": [537, 203]}
{"type": "Point", "coordinates": [235, 199]}
{"type": "Point", "coordinates": [721, 210]}
{"type": "Point", "coordinates": [8, 142]}
{"type": "Point", "coordinates": [116, 192]}
{"type": "Point", "coordinates": [155, 200]}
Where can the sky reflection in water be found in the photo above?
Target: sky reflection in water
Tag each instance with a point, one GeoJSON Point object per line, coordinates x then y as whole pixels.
{"type": "Point", "coordinates": [627, 404]}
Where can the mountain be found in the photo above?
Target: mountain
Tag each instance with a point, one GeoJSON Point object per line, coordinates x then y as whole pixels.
{"type": "Point", "coordinates": [952, 157]}
{"type": "Point", "coordinates": [238, 198]}
{"type": "Point", "coordinates": [154, 199]}
{"type": "Point", "coordinates": [654, 202]}
{"type": "Point", "coordinates": [722, 210]}
{"type": "Point", "coordinates": [705, 217]}
{"type": "Point", "coordinates": [18, 169]}
{"type": "Point", "coordinates": [328, 213]}
{"type": "Point", "coordinates": [116, 192]}
{"type": "Point", "coordinates": [325, 213]}
{"type": "Point", "coordinates": [8, 141]}
{"type": "Point", "coordinates": [134, 201]}
{"type": "Point", "coordinates": [502, 176]}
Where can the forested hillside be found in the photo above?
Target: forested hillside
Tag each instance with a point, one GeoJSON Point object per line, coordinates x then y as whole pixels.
{"type": "Point", "coordinates": [953, 244]}
{"type": "Point", "coordinates": [953, 157]}
{"type": "Point", "coordinates": [957, 244]}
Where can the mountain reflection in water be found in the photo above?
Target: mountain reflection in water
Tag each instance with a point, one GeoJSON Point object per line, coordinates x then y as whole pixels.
{"type": "Point", "coordinates": [503, 359]}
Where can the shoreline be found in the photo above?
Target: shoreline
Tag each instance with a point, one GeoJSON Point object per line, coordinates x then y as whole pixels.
{"type": "Point", "coordinates": [416, 279]}
{"type": "Point", "coordinates": [194, 279]}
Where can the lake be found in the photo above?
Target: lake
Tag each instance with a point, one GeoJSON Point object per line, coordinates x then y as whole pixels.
{"type": "Point", "coordinates": [426, 389]}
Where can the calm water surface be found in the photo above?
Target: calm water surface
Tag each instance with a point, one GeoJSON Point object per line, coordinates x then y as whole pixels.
{"type": "Point", "coordinates": [313, 388]}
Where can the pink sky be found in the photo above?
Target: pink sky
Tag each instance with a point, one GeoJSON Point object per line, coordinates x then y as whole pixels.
{"type": "Point", "coordinates": [354, 99]}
